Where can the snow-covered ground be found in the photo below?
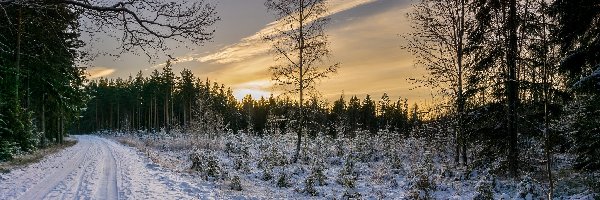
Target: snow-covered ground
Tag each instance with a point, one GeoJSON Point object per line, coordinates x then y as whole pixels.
{"type": "Point", "coordinates": [98, 168]}
{"type": "Point", "coordinates": [230, 166]}
{"type": "Point", "coordinates": [387, 166]}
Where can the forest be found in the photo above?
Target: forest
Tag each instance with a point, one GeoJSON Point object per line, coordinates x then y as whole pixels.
{"type": "Point", "coordinates": [165, 101]}
{"type": "Point", "coordinates": [518, 87]}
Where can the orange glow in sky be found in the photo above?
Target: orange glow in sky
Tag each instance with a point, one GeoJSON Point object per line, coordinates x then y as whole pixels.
{"type": "Point", "coordinates": [363, 35]}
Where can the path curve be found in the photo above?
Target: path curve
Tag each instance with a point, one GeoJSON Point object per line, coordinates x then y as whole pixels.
{"type": "Point", "coordinates": [98, 168]}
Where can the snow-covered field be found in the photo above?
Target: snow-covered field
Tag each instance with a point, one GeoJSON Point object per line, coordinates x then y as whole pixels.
{"type": "Point", "coordinates": [230, 166]}
{"type": "Point", "coordinates": [387, 166]}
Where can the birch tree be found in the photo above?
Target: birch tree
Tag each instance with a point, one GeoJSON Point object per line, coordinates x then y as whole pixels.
{"type": "Point", "coordinates": [439, 44]}
{"type": "Point", "coordinates": [300, 47]}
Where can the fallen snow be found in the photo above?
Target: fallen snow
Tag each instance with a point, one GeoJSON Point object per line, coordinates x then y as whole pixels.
{"type": "Point", "coordinates": [384, 168]}
{"type": "Point", "coordinates": [98, 168]}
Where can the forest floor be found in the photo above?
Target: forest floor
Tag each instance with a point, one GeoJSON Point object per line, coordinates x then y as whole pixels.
{"type": "Point", "coordinates": [98, 168]}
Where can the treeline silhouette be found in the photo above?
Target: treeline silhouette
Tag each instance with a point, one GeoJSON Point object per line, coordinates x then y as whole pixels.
{"type": "Point", "coordinates": [164, 101]}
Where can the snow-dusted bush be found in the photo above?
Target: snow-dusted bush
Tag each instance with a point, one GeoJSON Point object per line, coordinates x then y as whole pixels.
{"type": "Point", "coordinates": [347, 176]}
{"type": "Point", "coordinates": [421, 184]}
{"type": "Point", "coordinates": [207, 163]}
{"type": "Point", "coordinates": [7, 150]}
{"type": "Point", "coordinates": [267, 173]}
{"type": "Point", "coordinates": [236, 183]}
{"type": "Point", "coordinates": [241, 163]}
{"type": "Point", "coordinates": [274, 157]}
{"type": "Point", "coordinates": [309, 186]}
{"type": "Point", "coordinates": [283, 181]}
{"type": "Point", "coordinates": [351, 194]}
{"type": "Point", "coordinates": [484, 188]}
{"type": "Point", "coordinates": [365, 148]}
{"type": "Point", "coordinates": [528, 189]}
{"type": "Point", "coordinates": [317, 174]}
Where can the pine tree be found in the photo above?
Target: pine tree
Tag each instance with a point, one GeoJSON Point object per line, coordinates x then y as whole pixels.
{"type": "Point", "coordinates": [368, 116]}
{"type": "Point", "coordinates": [353, 115]}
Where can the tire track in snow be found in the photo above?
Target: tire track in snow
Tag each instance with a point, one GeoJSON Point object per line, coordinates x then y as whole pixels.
{"type": "Point", "coordinates": [58, 175]}
{"type": "Point", "coordinates": [73, 190]}
{"type": "Point", "coordinates": [98, 168]}
{"type": "Point", "coordinates": [108, 184]}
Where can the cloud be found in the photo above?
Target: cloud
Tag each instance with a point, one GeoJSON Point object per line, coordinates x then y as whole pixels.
{"type": "Point", "coordinates": [368, 48]}
{"type": "Point", "coordinates": [97, 72]}
{"type": "Point", "coordinates": [253, 45]}
{"type": "Point", "coordinates": [372, 61]}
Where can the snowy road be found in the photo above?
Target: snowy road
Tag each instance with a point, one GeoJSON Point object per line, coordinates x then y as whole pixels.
{"type": "Point", "coordinates": [98, 168]}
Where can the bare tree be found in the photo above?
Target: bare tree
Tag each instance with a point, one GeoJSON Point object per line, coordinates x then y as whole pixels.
{"type": "Point", "coordinates": [439, 43]}
{"type": "Point", "coordinates": [144, 24]}
{"type": "Point", "coordinates": [300, 47]}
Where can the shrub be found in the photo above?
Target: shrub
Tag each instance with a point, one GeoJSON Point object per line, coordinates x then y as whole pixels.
{"type": "Point", "coordinates": [528, 189]}
{"type": "Point", "coordinates": [351, 194]}
{"type": "Point", "coordinates": [484, 189]}
{"type": "Point", "coordinates": [236, 183]}
{"type": "Point", "coordinates": [318, 176]}
{"type": "Point", "coordinates": [282, 181]}
{"type": "Point", "coordinates": [7, 150]}
{"type": "Point", "coordinates": [241, 164]}
{"type": "Point", "coordinates": [273, 158]}
{"type": "Point", "coordinates": [206, 163]}
{"type": "Point", "coordinates": [422, 185]}
{"type": "Point", "coordinates": [309, 186]}
{"type": "Point", "coordinates": [267, 173]}
{"type": "Point", "coordinates": [348, 176]}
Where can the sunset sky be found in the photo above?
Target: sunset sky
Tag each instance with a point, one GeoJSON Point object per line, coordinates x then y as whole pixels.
{"type": "Point", "coordinates": [364, 37]}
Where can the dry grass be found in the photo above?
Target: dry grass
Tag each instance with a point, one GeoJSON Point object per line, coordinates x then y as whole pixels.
{"type": "Point", "coordinates": [27, 159]}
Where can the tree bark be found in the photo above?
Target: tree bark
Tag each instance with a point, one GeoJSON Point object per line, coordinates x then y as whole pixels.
{"type": "Point", "coordinates": [18, 55]}
{"type": "Point", "coordinates": [548, 145]}
{"type": "Point", "coordinates": [512, 90]}
{"type": "Point", "coordinates": [300, 63]}
{"type": "Point", "coordinates": [44, 115]}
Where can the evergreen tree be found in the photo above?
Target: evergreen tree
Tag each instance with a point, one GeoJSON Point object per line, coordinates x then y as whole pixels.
{"type": "Point", "coordinates": [368, 117]}
{"type": "Point", "coordinates": [338, 117]}
{"type": "Point", "coordinates": [353, 115]}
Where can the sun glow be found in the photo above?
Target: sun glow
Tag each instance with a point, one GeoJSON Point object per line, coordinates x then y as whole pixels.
{"type": "Point", "coordinates": [257, 89]}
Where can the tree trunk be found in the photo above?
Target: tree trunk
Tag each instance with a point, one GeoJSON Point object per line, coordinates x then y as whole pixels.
{"type": "Point", "coordinates": [110, 118]}
{"type": "Point", "coordinates": [44, 115]}
{"type": "Point", "coordinates": [166, 107]}
{"type": "Point", "coordinates": [185, 115]}
{"type": "Point", "coordinates": [18, 56]}
{"type": "Point", "coordinates": [156, 120]}
{"type": "Point", "coordinates": [119, 128]}
{"type": "Point", "coordinates": [96, 112]}
{"type": "Point", "coordinates": [147, 121]}
{"type": "Point", "coordinates": [61, 129]}
{"type": "Point", "coordinates": [301, 81]}
{"type": "Point", "coordinates": [461, 146]}
{"type": "Point", "coordinates": [548, 145]}
{"type": "Point", "coordinates": [512, 90]}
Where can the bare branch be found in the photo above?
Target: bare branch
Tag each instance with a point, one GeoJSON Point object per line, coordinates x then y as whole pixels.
{"type": "Point", "coordinates": [145, 24]}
